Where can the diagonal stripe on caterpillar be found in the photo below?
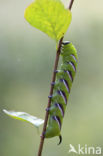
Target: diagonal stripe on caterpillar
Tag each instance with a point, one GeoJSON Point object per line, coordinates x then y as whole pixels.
{"type": "Point", "coordinates": [62, 87]}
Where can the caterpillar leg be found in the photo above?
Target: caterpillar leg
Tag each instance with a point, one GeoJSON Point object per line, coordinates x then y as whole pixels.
{"type": "Point", "coordinates": [47, 109]}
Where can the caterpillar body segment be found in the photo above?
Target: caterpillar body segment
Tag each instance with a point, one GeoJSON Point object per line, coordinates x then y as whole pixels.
{"type": "Point", "coordinates": [69, 69]}
{"type": "Point", "coordinates": [61, 91]}
{"type": "Point", "coordinates": [65, 74]}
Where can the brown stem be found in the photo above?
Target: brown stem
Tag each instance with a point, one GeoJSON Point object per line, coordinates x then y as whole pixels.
{"type": "Point", "coordinates": [70, 5]}
{"type": "Point", "coordinates": [51, 89]}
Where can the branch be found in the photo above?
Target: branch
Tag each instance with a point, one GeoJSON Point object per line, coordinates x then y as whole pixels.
{"type": "Point", "coordinates": [70, 5]}
{"type": "Point", "coordinates": [51, 89]}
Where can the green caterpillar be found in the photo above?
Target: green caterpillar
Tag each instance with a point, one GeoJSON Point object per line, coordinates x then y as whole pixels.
{"type": "Point", "coordinates": [62, 87]}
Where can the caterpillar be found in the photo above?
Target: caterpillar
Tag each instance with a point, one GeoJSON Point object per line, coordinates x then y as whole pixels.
{"type": "Point", "coordinates": [61, 91]}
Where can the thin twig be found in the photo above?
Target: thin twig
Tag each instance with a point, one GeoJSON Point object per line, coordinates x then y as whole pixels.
{"type": "Point", "coordinates": [51, 89]}
{"type": "Point", "coordinates": [70, 5]}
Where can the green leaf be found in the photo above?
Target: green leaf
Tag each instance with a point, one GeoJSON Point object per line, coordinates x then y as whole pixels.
{"type": "Point", "coordinates": [25, 117]}
{"type": "Point", "coordinates": [49, 16]}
